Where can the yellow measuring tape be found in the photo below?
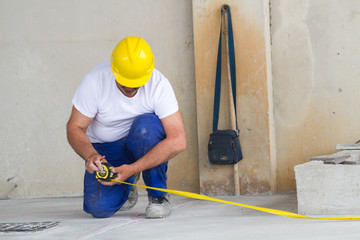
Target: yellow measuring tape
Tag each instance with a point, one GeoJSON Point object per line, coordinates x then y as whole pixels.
{"type": "Point", "coordinates": [268, 210]}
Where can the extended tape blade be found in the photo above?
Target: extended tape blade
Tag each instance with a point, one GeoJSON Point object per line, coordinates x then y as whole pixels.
{"type": "Point", "coordinates": [268, 210]}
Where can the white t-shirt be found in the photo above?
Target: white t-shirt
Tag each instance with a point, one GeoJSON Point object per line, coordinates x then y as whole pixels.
{"type": "Point", "coordinates": [98, 97]}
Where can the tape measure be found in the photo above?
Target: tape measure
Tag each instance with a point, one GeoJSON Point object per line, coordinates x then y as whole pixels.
{"type": "Point", "coordinates": [268, 210]}
{"type": "Point", "coordinates": [106, 174]}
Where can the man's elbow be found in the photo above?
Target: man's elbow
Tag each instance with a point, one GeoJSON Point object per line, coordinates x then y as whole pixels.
{"type": "Point", "coordinates": [69, 128]}
{"type": "Point", "coordinates": [181, 145]}
{"type": "Point", "coordinates": [73, 130]}
{"type": "Point", "coordinates": [69, 132]}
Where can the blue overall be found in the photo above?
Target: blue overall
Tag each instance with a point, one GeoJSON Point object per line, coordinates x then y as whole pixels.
{"type": "Point", "coordinates": [145, 132]}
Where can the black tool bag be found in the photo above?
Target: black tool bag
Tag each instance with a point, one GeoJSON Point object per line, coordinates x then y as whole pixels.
{"type": "Point", "coordinates": [224, 145]}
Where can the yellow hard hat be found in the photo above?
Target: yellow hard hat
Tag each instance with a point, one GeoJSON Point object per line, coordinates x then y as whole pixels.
{"type": "Point", "coordinates": [132, 62]}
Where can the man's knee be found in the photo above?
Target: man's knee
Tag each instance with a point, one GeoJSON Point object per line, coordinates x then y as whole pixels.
{"type": "Point", "coordinates": [102, 214]}
{"type": "Point", "coordinates": [147, 125]}
{"type": "Point", "coordinates": [147, 119]}
{"type": "Point", "coordinates": [146, 131]}
{"type": "Point", "coordinates": [98, 212]}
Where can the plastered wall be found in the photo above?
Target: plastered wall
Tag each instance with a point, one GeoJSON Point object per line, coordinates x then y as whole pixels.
{"type": "Point", "coordinates": [316, 79]}
{"type": "Point", "coordinates": [298, 75]}
{"type": "Point", "coordinates": [46, 49]}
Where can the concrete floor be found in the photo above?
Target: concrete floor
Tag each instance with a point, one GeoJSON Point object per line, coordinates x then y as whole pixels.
{"type": "Point", "coordinates": [190, 219]}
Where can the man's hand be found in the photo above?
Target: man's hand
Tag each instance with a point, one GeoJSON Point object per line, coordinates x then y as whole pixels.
{"type": "Point", "coordinates": [93, 163]}
{"type": "Point", "coordinates": [122, 173]}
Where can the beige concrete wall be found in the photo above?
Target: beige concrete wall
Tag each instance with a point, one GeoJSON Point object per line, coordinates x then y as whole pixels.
{"type": "Point", "coordinates": [298, 103]}
{"type": "Point", "coordinates": [251, 34]}
{"type": "Point", "coordinates": [46, 49]}
{"type": "Point", "coordinates": [316, 78]}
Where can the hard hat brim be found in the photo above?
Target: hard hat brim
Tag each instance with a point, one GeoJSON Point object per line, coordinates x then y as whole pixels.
{"type": "Point", "coordinates": [132, 83]}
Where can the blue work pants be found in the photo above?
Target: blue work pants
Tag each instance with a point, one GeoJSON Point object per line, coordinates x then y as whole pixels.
{"type": "Point", "coordinates": [103, 201]}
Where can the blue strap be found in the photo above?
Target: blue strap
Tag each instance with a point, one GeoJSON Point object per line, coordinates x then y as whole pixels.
{"type": "Point", "coordinates": [217, 86]}
{"type": "Point", "coordinates": [225, 8]}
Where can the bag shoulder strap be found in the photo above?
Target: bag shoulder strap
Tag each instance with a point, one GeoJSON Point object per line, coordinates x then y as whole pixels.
{"type": "Point", "coordinates": [225, 9]}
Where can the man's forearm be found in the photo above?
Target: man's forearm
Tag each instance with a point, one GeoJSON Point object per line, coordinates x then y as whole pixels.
{"type": "Point", "coordinates": [174, 143]}
{"type": "Point", "coordinates": [162, 152]}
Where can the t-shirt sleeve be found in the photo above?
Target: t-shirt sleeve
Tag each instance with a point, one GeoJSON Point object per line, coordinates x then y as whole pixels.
{"type": "Point", "coordinates": [85, 98]}
{"type": "Point", "coordinates": [165, 99]}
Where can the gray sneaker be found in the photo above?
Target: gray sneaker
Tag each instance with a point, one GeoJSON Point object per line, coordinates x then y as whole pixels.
{"type": "Point", "coordinates": [133, 196]}
{"type": "Point", "coordinates": [158, 207]}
